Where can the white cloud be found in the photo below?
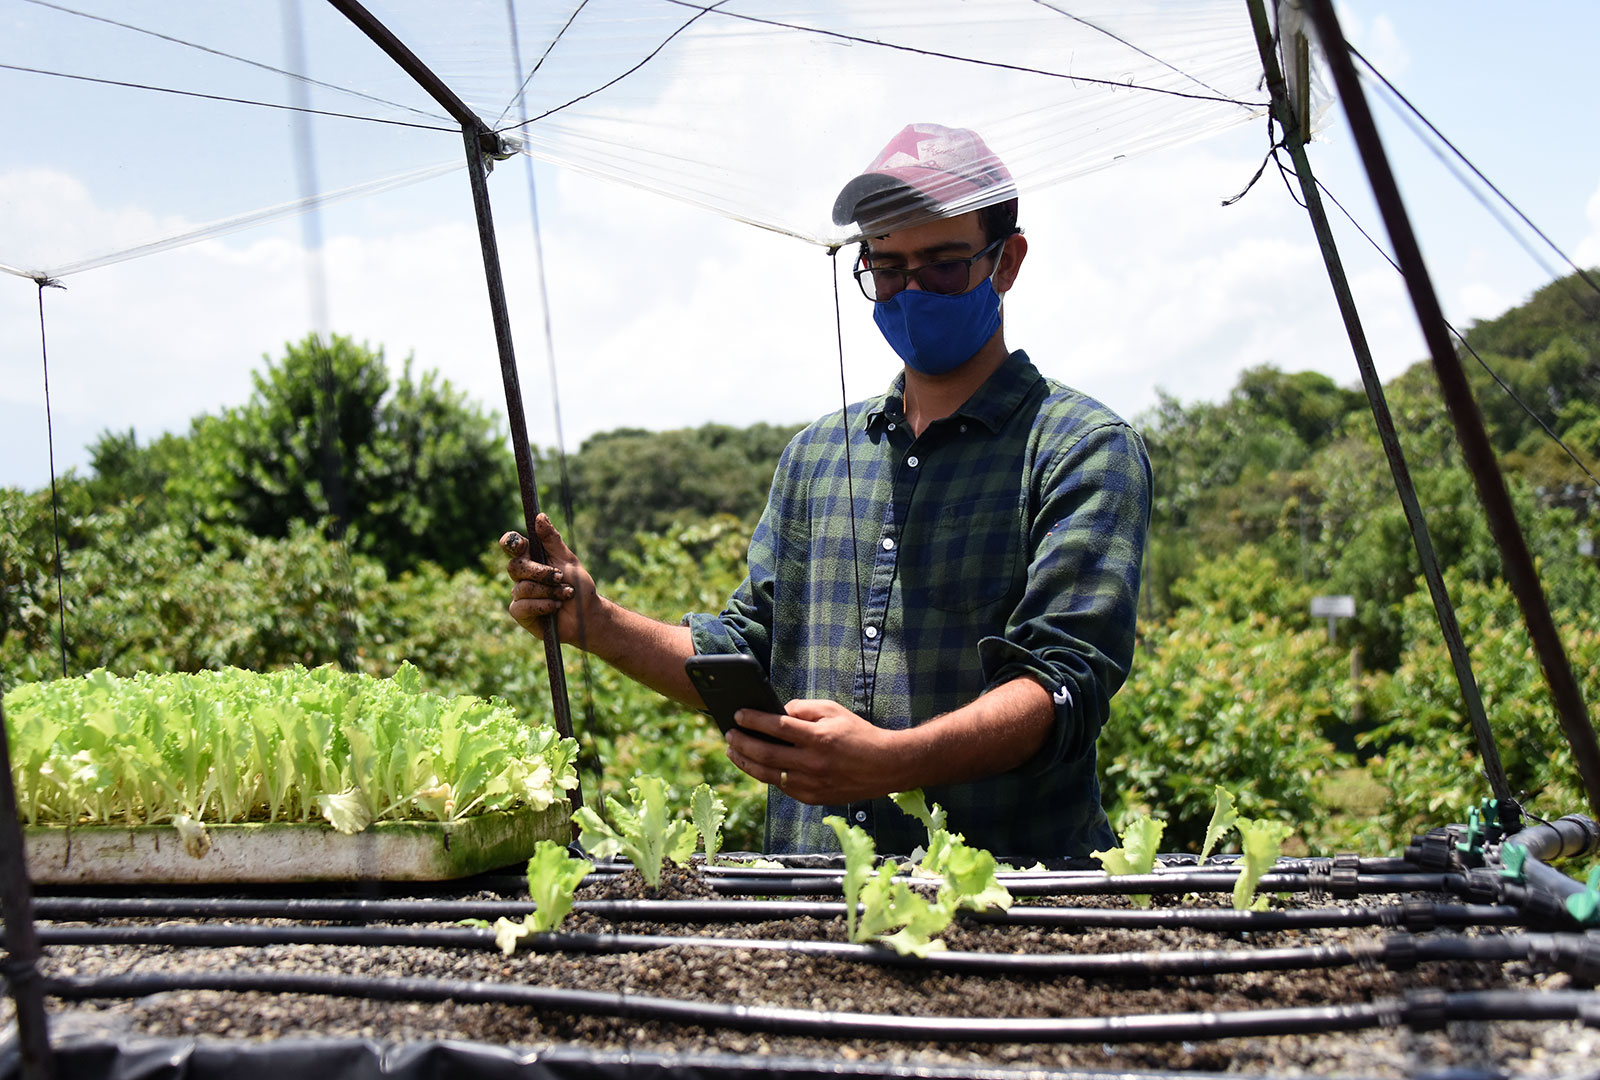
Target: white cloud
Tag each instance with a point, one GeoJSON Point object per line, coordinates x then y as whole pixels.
{"type": "Point", "coordinates": [1587, 253]}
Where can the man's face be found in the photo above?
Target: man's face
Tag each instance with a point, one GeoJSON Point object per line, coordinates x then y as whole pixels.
{"type": "Point", "coordinates": [936, 241]}
{"type": "Point", "coordinates": [956, 246]}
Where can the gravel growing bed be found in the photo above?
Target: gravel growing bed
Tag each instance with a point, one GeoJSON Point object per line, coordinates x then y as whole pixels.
{"type": "Point", "coordinates": [755, 977]}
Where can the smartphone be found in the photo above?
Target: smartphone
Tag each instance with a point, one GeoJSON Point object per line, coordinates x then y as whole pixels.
{"type": "Point", "coordinates": [732, 681]}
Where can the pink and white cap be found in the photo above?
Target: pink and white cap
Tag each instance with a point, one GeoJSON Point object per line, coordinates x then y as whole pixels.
{"type": "Point", "coordinates": [926, 170]}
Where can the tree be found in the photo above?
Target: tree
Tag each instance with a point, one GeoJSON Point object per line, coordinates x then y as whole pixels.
{"type": "Point", "coordinates": [419, 473]}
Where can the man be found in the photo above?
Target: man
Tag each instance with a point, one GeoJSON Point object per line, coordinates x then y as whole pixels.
{"type": "Point", "coordinates": [964, 628]}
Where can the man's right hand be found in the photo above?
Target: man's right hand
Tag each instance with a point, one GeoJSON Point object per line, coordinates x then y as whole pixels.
{"type": "Point", "coordinates": [561, 587]}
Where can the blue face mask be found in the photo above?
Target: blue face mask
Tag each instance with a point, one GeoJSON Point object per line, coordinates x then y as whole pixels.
{"type": "Point", "coordinates": [935, 333]}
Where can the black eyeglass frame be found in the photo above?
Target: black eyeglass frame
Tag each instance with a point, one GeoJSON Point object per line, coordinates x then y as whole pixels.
{"type": "Point", "coordinates": [860, 273]}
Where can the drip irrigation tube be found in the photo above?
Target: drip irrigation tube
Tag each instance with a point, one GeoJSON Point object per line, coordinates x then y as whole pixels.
{"type": "Point", "coordinates": [1416, 915]}
{"type": "Point", "coordinates": [1423, 1010]}
{"type": "Point", "coordinates": [1576, 954]}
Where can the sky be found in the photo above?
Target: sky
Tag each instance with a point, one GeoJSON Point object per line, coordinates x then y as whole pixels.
{"type": "Point", "coordinates": [1138, 280]}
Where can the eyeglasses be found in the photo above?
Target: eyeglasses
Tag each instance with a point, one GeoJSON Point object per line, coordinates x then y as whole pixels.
{"type": "Point", "coordinates": [947, 276]}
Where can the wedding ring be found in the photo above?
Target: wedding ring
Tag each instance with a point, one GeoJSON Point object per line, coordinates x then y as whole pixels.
{"type": "Point", "coordinates": [783, 778]}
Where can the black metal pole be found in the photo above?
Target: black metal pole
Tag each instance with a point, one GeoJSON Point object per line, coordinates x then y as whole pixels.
{"type": "Point", "coordinates": [480, 140]}
{"type": "Point", "coordinates": [518, 423]}
{"type": "Point", "coordinates": [1387, 436]}
{"type": "Point", "coordinates": [1475, 448]}
{"type": "Point", "coordinates": [21, 963]}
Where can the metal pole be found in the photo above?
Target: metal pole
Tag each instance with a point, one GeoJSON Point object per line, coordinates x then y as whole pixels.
{"type": "Point", "coordinates": [21, 963]}
{"type": "Point", "coordinates": [1475, 448]}
{"type": "Point", "coordinates": [518, 422]}
{"type": "Point", "coordinates": [1444, 610]}
{"type": "Point", "coordinates": [480, 140]}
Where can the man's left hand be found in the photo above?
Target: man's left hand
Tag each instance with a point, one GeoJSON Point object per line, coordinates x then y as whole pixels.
{"type": "Point", "coordinates": [836, 756]}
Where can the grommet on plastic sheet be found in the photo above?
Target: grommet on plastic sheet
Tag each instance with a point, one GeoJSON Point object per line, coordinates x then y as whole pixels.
{"type": "Point", "coordinates": [1585, 906]}
{"type": "Point", "coordinates": [1425, 1009]}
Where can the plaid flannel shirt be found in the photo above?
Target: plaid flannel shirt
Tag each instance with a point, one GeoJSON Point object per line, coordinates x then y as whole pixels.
{"type": "Point", "coordinates": [1005, 541]}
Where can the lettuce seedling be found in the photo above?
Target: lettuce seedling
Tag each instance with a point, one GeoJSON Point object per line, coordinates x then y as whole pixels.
{"type": "Point", "coordinates": [967, 871]}
{"type": "Point", "coordinates": [642, 831]}
{"type": "Point", "coordinates": [1223, 816]}
{"type": "Point", "coordinates": [708, 812]}
{"type": "Point", "coordinates": [1260, 841]}
{"type": "Point", "coordinates": [887, 903]}
{"type": "Point", "coordinates": [1141, 837]}
{"type": "Point", "coordinates": [553, 876]}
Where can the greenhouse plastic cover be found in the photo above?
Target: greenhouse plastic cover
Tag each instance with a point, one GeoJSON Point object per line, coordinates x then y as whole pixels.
{"type": "Point", "coordinates": [760, 110]}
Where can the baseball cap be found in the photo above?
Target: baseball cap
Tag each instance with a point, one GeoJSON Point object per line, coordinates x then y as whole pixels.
{"type": "Point", "coordinates": [926, 170]}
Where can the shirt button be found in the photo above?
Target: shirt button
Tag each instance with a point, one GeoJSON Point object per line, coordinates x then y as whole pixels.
{"type": "Point", "coordinates": [888, 543]}
{"type": "Point", "coordinates": [912, 461]}
{"type": "Point", "coordinates": [861, 815]}
{"type": "Point", "coordinates": [871, 632]}
{"type": "Point", "coordinates": [963, 427]}
{"type": "Point", "coordinates": [891, 425]}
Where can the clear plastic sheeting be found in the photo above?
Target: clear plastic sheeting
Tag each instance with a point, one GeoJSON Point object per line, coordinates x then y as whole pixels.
{"type": "Point", "coordinates": [760, 110]}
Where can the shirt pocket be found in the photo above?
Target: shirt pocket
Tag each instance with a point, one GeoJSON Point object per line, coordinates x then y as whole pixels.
{"type": "Point", "coordinates": [963, 555]}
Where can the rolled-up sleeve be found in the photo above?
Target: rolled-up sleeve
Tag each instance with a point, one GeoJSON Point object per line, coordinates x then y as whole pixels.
{"type": "Point", "coordinates": [1073, 630]}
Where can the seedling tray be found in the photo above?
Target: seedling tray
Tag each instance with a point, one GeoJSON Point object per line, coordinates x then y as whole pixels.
{"type": "Point", "coordinates": [283, 852]}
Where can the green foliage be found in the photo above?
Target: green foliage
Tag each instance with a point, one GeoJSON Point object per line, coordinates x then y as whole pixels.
{"type": "Point", "coordinates": [890, 911]}
{"type": "Point", "coordinates": [640, 830]}
{"type": "Point", "coordinates": [1232, 690]}
{"type": "Point", "coordinates": [1222, 819]}
{"type": "Point", "coordinates": [1427, 756]}
{"type": "Point", "coordinates": [1141, 841]}
{"type": "Point", "coordinates": [628, 483]}
{"type": "Point", "coordinates": [708, 813]}
{"type": "Point", "coordinates": [417, 472]}
{"type": "Point", "coordinates": [969, 873]}
{"type": "Point", "coordinates": [227, 746]}
{"type": "Point", "coordinates": [1260, 842]}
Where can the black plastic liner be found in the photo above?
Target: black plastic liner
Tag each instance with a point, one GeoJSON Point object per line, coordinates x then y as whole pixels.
{"type": "Point", "coordinates": [363, 1059]}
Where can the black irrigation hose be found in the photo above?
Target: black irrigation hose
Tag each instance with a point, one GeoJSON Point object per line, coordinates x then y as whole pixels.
{"type": "Point", "coordinates": [1417, 915]}
{"type": "Point", "coordinates": [1576, 954]}
{"type": "Point", "coordinates": [1422, 1010]}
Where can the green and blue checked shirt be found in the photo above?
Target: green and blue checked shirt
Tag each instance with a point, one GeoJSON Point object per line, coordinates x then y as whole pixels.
{"type": "Point", "coordinates": [1004, 542]}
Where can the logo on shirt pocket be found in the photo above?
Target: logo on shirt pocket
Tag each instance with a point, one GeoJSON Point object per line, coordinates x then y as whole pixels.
{"type": "Point", "coordinates": [964, 556]}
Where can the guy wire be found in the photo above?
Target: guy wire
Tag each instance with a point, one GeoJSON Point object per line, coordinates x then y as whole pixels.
{"type": "Point", "coordinates": [50, 443]}
{"type": "Point", "coordinates": [849, 478]}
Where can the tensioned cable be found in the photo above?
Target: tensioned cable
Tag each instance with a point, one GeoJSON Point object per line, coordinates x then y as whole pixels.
{"type": "Point", "coordinates": [225, 226]}
{"type": "Point", "coordinates": [1459, 336]}
{"type": "Point", "coordinates": [222, 97]}
{"type": "Point", "coordinates": [1124, 42]}
{"type": "Point", "coordinates": [516, 50]}
{"type": "Point", "coordinates": [237, 59]}
{"type": "Point", "coordinates": [850, 482]}
{"type": "Point", "coordinates": [1413, 110]}
{"type": "Point", "coordinates": [651, 55]}
{"type": "Point", "coordinates": [1019, 68]}
{"type": "Point", "coordinates": [50, 442]}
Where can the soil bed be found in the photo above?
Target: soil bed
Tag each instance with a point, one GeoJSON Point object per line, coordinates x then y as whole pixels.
{"type": "Point", "coordinates": [755, 977]}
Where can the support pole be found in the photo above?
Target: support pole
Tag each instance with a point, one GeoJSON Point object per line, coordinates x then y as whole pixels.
{"type": "Point", "coordinates": [1444, 610]}
{"type": "Point", "coordinates": [1475, 448]}
{"type": "Point", "coordinates": [481, 141]}
{"type": "Point", "coordinates": [21, 962]}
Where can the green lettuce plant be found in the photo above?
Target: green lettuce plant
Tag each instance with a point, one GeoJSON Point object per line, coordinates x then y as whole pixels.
{"type": "Point", "coordinates": [642, 832]}
{"type": "Point", "coordinates": [289, 745]}
{"type": "Point", "coordinates": [968, 872]}
{"type": "Point", "coordinates": [1260, 841]}
{"type": "Point", "coordinates": [553, 876]}
{"type": "Point", "coordinates": [1141, 839]}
